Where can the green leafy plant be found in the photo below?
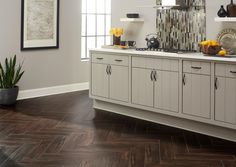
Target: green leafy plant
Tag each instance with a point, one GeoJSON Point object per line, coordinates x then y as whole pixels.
{"type": "Point", "coordinates": [10, 74]}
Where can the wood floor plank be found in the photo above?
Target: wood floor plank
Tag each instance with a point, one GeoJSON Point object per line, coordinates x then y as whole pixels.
{"type": "Point", "coordinates": [65, 131]}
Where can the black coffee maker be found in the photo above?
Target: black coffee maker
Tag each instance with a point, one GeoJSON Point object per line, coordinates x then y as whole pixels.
{"type": "Point", "coordinates": [152, 41]}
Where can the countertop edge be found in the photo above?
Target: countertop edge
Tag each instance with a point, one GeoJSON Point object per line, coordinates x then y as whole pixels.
{"type": "Point", "coordinates": [190, 56]}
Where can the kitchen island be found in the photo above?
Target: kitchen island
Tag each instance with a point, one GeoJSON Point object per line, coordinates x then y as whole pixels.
{"type": "Point", "coordinates": [184, 90]}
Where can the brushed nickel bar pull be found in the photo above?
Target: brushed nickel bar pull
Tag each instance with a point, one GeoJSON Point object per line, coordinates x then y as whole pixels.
{"type": "Point", "coordinates": [234, 72]}
{"type": "Point", "coordinates": [151, 75]}
{"type": "Point", "coordinates": [107, 69]}
{"type": "Point", "coordinates": [118, 60]}
{"type": "Point", "coordinates": [197, 68]}
{"type": "Point", "coordinates": [110, 70]}
{"type": "Point", "coordinates": [216, 83]}
{"type": "Point", "coordinates": [155, 76]}
{"type": "Point", "coordinates": [184, 79]}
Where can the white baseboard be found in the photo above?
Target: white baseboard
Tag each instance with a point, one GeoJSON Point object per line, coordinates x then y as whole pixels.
{"type": "Point", "coordinates": [27, 94]}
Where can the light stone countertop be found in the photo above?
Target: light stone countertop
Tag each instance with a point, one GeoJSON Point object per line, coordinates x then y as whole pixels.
{"type": "Point", "coordinates": [196, 56]}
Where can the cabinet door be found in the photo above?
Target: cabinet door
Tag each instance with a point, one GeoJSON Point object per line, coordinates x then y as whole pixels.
{"type": "Point", "coordinates": [197, 95]}
{"type": "Point", "coordinates": [99, 80]}
{"type": "Point", "coordinates": [119, 83]}
{"type": "Point", "coordinates": [167, 91]}
{"type": "Point", "coordinates": [225, 100]}
{"type": "Point", "coordinates": [142, 87]}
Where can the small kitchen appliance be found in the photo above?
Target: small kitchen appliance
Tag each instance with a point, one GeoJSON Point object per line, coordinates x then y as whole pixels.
{"type": "Point", "coordinates": [132, 44]}
{"type": "Point", "coordinates": [152, 41]}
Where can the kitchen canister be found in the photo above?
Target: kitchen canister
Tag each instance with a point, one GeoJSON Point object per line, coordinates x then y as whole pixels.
{"type": "Point", "coordinates": [231, 9]}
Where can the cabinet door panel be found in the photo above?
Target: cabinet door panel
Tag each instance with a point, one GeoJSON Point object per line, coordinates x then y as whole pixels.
{"type": "Point", "coordinates": [119, 83]}
{"type": "Point", "coordinates": [225, 100]}
{"type": "Point", "coordinates": [197, 95]}
{"type": "Point", "coordinates": [99, 80]}
{"type": "Point", "coordinates": [167, 91]}
{"type": "Point", "coordinates": [142, 87]}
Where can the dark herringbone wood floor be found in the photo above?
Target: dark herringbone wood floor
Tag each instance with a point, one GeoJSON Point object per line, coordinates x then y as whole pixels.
{"type": "Point", "coordinates": [65, 131]}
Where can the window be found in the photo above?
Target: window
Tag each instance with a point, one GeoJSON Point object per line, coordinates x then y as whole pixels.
{"type": "Point", "coordinates": [96, 24]}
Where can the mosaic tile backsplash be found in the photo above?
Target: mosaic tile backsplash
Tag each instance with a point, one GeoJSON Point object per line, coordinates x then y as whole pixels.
{"type": "Point", "coordinates": [182, 29]}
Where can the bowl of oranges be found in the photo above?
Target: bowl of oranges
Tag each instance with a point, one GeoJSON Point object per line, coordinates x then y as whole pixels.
{"type": "Point", "coordinates": [212, 47]}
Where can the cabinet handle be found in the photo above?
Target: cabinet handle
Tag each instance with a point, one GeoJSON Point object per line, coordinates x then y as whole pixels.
{"type": "Point", "coordinates": [107, 69]}
{"type": "Point", "coordinates": [184, 79]}
{"type": "Point", "coordinates": [216, 83]}
{"type": "Point", "coordinates": [234, 72]}
{"type": "Point", "coordinates": [197, 68]}
{"type": "Point", "coordinates": [99, 58]}
{"type": "Point", "coordinates": [151, 75]}
{"type": "Point", "coordinates": [118, 60]}
{"type": "Point", "coordinates": [155, 76]}
{"type": "Point", "coordinates": [110, 69]}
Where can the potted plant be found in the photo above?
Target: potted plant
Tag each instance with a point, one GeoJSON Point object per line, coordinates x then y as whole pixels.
{"type": "Point", "coordinates": [10, 74]}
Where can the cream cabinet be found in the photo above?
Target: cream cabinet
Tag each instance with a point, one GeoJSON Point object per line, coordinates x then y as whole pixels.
{"type": "Point", "coordinates": [225, 93]}
{"type": "Point", "coordinates": [155, 83]}
{"type": "Point", "coordinates": [119, 83]}
{"type": "Point", "coordinates": [196, 94]}
{"type": "Point", "coordinates": [166, 90]}
{"type": "Point", "coordinates": [197, 89]}
{"type": "Point", "coordinates": [142, 87]}
{"type": "Point", "coordinates": [100, 80]}
{"type": "Point", "coordinates": [110, 77]}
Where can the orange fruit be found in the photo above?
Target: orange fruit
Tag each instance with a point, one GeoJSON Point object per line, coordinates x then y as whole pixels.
{"type": "Point", "coordinates": [222, 53]}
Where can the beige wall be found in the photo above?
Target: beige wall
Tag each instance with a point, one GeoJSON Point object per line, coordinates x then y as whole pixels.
{"type": "Point", "coordinates": [135, 31]}
{"type": "Point", "coordinates": [138, 31]}
{"type": "Point", "coordinates": [63, 66]}
{"type": "Point", "coordinates": [48, 67]}
{"type": "Point", "coordinates": [213, 28]}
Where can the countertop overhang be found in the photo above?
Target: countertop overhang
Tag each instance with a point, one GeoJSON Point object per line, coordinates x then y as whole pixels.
{"type": "Point", "coordinates": [197, 56]}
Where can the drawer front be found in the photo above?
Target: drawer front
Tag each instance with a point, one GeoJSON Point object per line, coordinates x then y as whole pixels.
{"type": "Point", "coordinates": [170, 65]}
{"type": "Point", "coordinates": [196, 67]}
{"type": "Point", "coordinates": [119, 60]}
{"type": "Point", "coordinates": [155, 63]}
{"type": "Point", "coordinates": [225, 70]}
{"type": "Point", "coordinates": [141, 62]}
{"type": "Point", "coordinates": [100, 58]}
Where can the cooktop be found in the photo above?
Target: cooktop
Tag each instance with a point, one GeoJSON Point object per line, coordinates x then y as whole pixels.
{"type": "Point", "coordinates": [166, 50]}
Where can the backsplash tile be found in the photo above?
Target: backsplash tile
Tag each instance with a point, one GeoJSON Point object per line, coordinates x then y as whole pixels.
{"type": "Point", "coordinates": [182, 29]}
